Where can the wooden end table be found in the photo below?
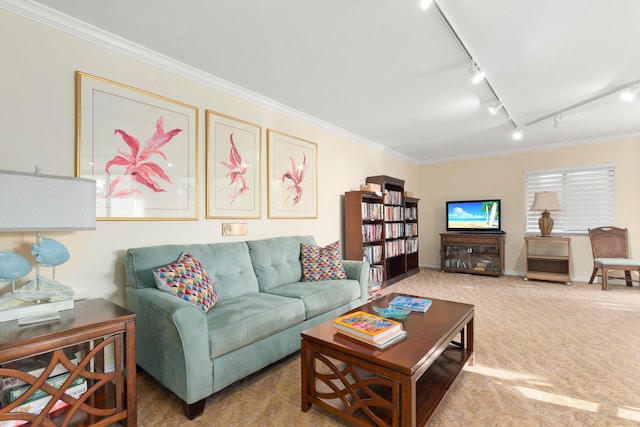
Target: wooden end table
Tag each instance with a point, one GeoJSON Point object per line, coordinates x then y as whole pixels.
{"type": "Point", "coordinates": [399, 386]}
{"type": "Point", "coordinates": [89, 327]}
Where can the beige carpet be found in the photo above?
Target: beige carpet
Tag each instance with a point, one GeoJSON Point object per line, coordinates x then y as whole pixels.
{"type": "Point", "coordinates": [547, 354]}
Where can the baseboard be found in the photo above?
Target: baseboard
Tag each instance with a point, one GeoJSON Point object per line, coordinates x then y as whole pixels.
{"type": "Point", "coordinates": [520, 274]}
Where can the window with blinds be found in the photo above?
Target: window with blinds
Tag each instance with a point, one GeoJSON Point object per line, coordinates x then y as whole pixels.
{"type": "Point", "coordinates": [586, 196]}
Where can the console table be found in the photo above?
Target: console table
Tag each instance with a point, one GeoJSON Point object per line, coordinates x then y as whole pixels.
{"type": "Point", "coordinates": [548, 258]}
{"type": "Point", "coordinates": [87, 329]}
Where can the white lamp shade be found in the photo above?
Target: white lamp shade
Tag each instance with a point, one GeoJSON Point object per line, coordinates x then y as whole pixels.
{"type": "Point", "coordinates": [545, 201]}
{"type": "Point", "coordinates": [38, 202]}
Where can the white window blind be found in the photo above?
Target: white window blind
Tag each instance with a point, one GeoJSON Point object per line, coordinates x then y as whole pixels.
{"type": "Point", "coordinates": [586, 196]}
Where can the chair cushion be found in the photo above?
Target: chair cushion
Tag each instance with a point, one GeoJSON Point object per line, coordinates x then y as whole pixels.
{"type": "Point", "coordinates": [321, 263]}
{"type": "Point", "coordinates": [187, 279]}
{"type": "Point", "coordinates": [617, 262]}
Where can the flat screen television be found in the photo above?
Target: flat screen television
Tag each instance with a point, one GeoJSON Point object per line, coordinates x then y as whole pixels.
{"type": "Point", "coordinates": [481, 216]}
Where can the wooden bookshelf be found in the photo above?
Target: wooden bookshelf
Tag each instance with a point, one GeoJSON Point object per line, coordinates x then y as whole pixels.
{"type": "Point", "coordinates": [382, 239]}
{"type": "Point", "coordinates": [411, 234]}
{"type": "Point", "coordinates": [364, 228]}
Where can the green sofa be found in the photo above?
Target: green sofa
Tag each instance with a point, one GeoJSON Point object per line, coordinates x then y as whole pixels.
{"type": "Point", "coordinates": [263, 307]}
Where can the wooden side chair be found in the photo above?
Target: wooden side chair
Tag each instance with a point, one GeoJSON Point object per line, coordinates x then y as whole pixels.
{"type": "Point", "coordinates": [610, 247]}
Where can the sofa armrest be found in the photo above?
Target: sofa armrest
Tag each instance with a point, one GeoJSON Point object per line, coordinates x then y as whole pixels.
{"type": "Point", "coordinates": [358, 270]}
{"type": "Point", "coordinates": [172, 343]}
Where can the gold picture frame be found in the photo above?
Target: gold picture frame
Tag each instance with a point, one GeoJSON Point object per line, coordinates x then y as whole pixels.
{"type": "Point", "coordinates": [140, 148]}
{"type": "Point", "coordinates": [293, 176]}
{"type": "Point", "coordinates": [234, 167]}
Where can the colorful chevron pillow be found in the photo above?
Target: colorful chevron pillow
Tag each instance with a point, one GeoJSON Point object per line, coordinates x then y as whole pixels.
{"type": "Point", "coordinates": [321, 263]}
{"type": "Point", "coordinates": [188, 280]}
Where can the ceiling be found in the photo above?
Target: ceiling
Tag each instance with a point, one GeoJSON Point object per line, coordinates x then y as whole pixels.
{"type": "Point", "coordinates": [388, 73]}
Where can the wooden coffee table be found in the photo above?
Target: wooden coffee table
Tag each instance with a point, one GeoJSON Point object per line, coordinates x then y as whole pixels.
{"type": "Point", "coordinates": [399, 386]}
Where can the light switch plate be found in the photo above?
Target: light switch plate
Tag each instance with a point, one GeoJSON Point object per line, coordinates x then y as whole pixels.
{"type": "Point", "coordinates": [234, 229]}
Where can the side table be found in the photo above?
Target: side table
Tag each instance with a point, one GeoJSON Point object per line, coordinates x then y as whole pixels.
{"type": "Point", "coordinates": [88, 329]}
{"type": "Point", "coordinates": [547, 261]}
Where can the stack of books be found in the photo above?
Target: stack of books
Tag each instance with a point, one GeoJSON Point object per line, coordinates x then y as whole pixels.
{"type": "Point", "coordinates": [370, 329]}
{"type": "Point", "coordinates": [12, 388]}
{"type": "Point", "coordinates": [414, 304]}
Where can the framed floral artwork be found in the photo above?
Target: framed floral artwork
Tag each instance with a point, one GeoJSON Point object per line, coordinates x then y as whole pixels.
{"type": "Point", "coordinates": [140, 148]}
{"type": "Point", "coordinates": [233, 167]}
{"type": "Point", "coordinates": [293, 176]}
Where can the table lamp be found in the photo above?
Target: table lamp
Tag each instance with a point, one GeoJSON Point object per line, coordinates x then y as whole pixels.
{"type": "Point", "coordinates": [546, 202]}
{"type": "Point", "coordinates": [38, 202]}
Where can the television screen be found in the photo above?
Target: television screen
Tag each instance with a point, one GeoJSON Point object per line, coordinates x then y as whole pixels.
{"type": "Point", "coordinates": [474, 215]}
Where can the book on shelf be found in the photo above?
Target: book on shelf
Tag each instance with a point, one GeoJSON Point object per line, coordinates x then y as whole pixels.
{"type": "Point", "coordinates": [366, 326]}
{"type": "Point", "coordinates": [36, 406]}
{"type": "Point", "coordinates": [375, 274]}
{"type": "Point", "coordinates": [13, 393]}
{"type": "Point", "coordinates": [34, 366]}
{"type": "Point", "coordinates": [380, 345]}
{"type": "Point", "coordinates": [413, 303]}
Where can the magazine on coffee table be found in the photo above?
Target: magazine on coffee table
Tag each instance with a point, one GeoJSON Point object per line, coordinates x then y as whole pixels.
{"type": "Point", "coordinates": [412, 303]}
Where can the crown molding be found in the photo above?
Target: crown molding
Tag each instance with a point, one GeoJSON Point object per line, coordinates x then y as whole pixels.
{"type": "Point", "coordinates": [65, 23]}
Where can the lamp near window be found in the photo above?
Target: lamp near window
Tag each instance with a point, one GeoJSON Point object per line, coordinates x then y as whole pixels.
{"type": "Point", "coordinates": [546, 202]}
{"type": "Point", "coordinates": [38, 202]}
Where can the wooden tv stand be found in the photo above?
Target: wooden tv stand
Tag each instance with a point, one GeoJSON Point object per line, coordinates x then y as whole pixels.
{"type": "Point", "coordinates": [472, 253]}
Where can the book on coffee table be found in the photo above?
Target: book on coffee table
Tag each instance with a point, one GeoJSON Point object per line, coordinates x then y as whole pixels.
{"type": "Point", "coordinates": [366, 326]}
{"type": "Point", "coordinates": [381, 345]}
{"type": "Point", "coordinates": [412, 303]}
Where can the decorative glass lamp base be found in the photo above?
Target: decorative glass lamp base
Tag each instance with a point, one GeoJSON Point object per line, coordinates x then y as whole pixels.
{"type": "Point", "coordinates": [33, 311]}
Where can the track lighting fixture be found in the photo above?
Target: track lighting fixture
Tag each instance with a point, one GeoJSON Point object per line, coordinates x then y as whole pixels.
{"type": "Point", "coordinates": [424, 4]}
{"type": "Point", "coordinates": [517, 135]}
{"type": "Point", "coordinates": [477, 73]}
{"type": "Point", "coordinates": [495, 108]}
{"type": "Point", "coordinates": [630, 93]}
{"type": "Point", "coordinates": [556, 120]}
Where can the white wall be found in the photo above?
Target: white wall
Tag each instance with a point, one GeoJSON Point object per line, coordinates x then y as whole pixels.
{"type": "Point", "coordinates": [37, 126]}
{"type": "Point", "coordinates": [503, 177]}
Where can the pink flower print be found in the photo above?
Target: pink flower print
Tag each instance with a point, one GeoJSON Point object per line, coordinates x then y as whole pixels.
{"type": "Point", "coordinates": [296, 174]}
{"type": "Point", "coordinates": [237, 169]}
{"type": "Point", "coordinates": [136, 162]}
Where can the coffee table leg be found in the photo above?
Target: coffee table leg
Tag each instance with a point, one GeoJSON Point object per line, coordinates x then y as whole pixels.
{"type": "Point", "coordinates": [307, 374]}
{"type": "Point", "coordinates": [469, 343]}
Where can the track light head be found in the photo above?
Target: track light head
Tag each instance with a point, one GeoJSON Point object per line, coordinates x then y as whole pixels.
{"type": "Point", "coordinates": [495, 108]}
{"type": "Point", "coordinates": [477, 73]}
{"type": "Point", "coordinates": [556, 120]}
{"type": "Point", "coordinates": [630, 93]}
{"type": "Point", "coordinates": [424, 4]}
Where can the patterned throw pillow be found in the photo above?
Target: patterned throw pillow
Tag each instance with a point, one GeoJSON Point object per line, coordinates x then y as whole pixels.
{"type": "Point", "coordinates": [188, 280]}
{"type": "Point", "coordinates": [321, 263]}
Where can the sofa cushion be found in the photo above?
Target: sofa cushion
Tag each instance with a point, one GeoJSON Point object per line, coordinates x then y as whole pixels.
{"type": "Point", "coordinates": [228, 265]}
{"type": "Point", "coordinates": [321, 263]}
{"type": "Point", "coordinates": [276, 261]}
{"type": "Point", "coordinates": [248, 318]}
{"type": "Point", "coordinates": [320, 297]}
{"type": "Point", "coordinates": [188, 280]}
